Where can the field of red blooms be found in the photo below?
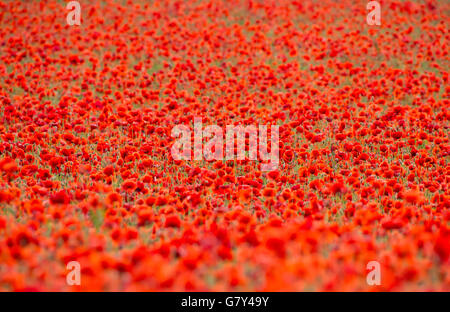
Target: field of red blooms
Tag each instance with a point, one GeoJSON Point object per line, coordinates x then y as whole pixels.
{"type": "Point", "coordinates": [86, 172]}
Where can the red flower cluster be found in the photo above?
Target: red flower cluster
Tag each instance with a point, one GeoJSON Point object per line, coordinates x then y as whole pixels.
{"type": "Point", "coordinates": [86, 172]}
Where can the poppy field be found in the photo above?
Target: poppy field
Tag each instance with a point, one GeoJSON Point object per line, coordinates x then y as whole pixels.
{"type": "Point", "coordinates": [87, 175]}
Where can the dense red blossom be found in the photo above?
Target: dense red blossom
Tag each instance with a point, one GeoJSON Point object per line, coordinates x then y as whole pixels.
{"type": "Point", "coordinates": [87, 175]}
